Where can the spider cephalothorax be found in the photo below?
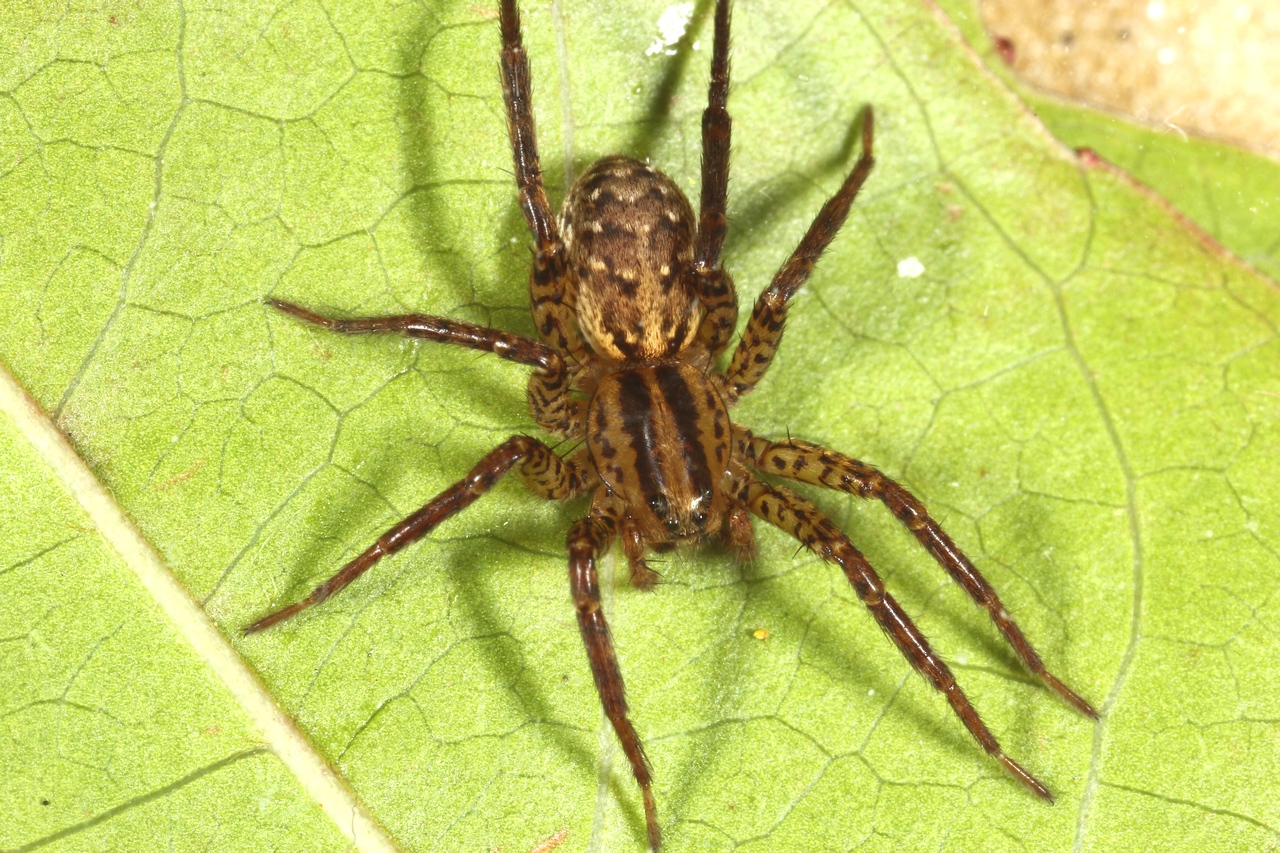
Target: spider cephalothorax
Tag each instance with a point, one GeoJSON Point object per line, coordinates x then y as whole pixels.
{"type": "Point", "coordinates": [632, 307]}
{"type": "Point", "coordinates": [659, 438]}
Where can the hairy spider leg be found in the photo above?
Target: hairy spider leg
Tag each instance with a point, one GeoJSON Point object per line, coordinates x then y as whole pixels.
{"type": "Point", "coordinates": [546, 474]}
{"type": "Point", "coordinates": [715, 287]}
{"type": "Point", "coordinates": [553, 313]}
{"type": "Point", "coordinates": [785, 509]}
{"type": "Point", "coordinates": [549, 401]}
{"type": "Point", "coordinates": [588, 539]}
{"type": "Point", "coordinates": [763, 334]}
{"type": "Point", "coordinates": [811, 463]}
{"type": "Point", "coordinates": [515, 348]}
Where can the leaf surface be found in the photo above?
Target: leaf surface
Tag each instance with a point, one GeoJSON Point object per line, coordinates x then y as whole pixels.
{"type": "Point", "coordinates": [1083, 391]}
{"type": "Point", "coordinates": [1231, 192]}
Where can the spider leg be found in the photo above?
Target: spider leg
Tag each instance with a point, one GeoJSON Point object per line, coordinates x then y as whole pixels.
{"type": "Point", "coordinates": [642, 577]}
{"type": "Point", "coordinates": [515, 348]}
{"type": "Point", "coordinates": [588, 538]}
{"type": "Point", "coordinates": [715, 288]}
{"type": "Point", "coordinates": [547, 474]}
{"type": "Point", "coordinates": [763, 334]}
{"type": "Point", "coordinates": [811, 463]}
{"type": "Point", "coordinates": [549, 399]}
{"type": "Point", "coordinates": [552, 310]}
{"type": "Point", "coordinates": [739, 534]}
{"type": "Point", "coordinates": [785, 509]}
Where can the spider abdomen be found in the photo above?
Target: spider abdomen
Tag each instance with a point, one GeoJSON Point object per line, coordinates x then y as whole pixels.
{"type": "Point", "coordinates": [659, 437]}
{"type": "Point", "coordinates": [630, 232]}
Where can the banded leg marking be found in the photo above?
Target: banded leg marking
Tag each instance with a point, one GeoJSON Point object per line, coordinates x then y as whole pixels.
{"type": "Point", "coordinates": [589, 538]}
{"type": "Point", "coordinates": [812, 463]}
{"type": "Point", "coordinates": [548, 393]}
{"type": "Point", "coordinates": [788, 511]}
{"type": "Point", "coordinates": [546, 474]}
{"type": "Point", "coordinates": [552, 306]}
{"type": "Point", "coordinates": [763, 334]}
{"type": "Point", "coordinates": [715, 288]}
{"type": "Point", "coordinates": [505, 345]}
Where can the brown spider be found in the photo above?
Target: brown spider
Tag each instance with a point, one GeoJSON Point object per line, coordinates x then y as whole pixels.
{"type": "Point", "coordinates": [632, 307]}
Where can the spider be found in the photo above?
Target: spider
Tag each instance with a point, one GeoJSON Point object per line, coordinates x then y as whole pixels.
{"type": "Point", "coordinates": [632, 307]}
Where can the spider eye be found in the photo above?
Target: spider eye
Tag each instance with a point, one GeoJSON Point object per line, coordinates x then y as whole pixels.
{"type": "Point", "coordinates": [658, 504]}
{"type": "Point", "coordinates": [700, 505]}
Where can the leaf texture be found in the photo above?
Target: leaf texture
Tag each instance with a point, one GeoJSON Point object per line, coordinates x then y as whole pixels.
{"type": "Point", "coordinates": [1082, 389]}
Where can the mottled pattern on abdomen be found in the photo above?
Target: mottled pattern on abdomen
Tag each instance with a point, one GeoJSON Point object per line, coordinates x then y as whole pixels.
{"type": "Point", "coordinates": [629, 230]}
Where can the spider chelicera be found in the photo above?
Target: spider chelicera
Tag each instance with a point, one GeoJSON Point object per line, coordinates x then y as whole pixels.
{"type": "Point", "coordinates": [632, 307]}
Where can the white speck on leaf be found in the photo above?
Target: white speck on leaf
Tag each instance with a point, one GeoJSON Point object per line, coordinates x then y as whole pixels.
{"type": "Point", "coordinates": [910, 268]}
{"type": "Point", "coordinates": [671, 26]}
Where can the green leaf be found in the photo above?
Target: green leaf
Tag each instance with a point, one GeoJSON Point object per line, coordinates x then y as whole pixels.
{"type": "Point", "coordinates": [118, 735]}
{"type": "Point", "coordinates": [1083, 391]}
